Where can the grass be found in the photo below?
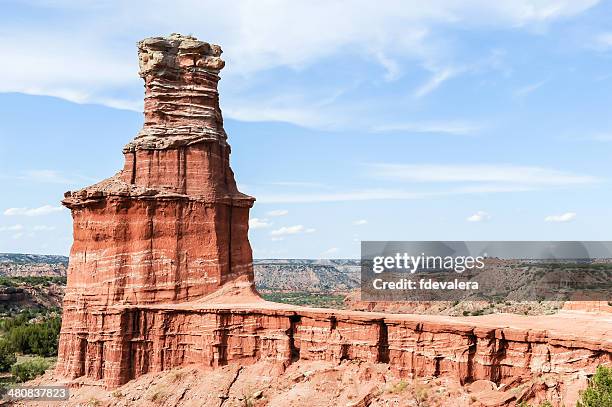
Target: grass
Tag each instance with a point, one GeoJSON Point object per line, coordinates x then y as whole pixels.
{"type": "Point", "coordinates": [307, 299]}
{"type": "Point", "coordinates": [398, 387]}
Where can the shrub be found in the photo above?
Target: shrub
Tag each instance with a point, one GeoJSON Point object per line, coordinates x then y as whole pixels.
{"type": "Point", "coordinates": [30, 369]}
{"type": "Point", "coordinates": [599, 391]}
{"type": "Point", "coordinates": [7, 355]}
{"type": "Point", "coordinates": [39, 338]}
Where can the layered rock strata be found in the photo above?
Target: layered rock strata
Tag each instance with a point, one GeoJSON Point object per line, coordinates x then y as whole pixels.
{"type": "Point", "coordinates": [160, 272]}
{"type": "Point", "coordinates": [171, 226]}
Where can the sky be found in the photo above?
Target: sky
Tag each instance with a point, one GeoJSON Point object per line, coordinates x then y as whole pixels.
{"type": "Point", "coordinates": [348, 120]}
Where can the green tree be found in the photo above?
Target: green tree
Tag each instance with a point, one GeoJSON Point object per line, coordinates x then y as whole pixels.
{"type": "Point", "coordinates": [7, 355]}
{"type": "Point", "coordinates": [30, 369]}
{"type": "Point", "coordinates": [599, 391]}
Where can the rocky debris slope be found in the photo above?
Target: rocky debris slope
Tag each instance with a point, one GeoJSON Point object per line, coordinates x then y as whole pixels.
{"type": "Point", "coordinates": [314, 276]}
{"type": "Point", "coordinates": [31, 296]}
{"type": "Point", "coordinates": [32, 265]}
{"type": "Point", "coordinates": [161, 273]}
{"type": "Point", "coordinates": [349, 383]}
{"type": "Point", "coordinates": [318, 383]}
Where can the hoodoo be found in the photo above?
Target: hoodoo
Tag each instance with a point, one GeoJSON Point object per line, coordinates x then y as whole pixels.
{"type": "Point", "coordinates": [161, 276]}
{"type": "Point", "coordinates": [171, 226]}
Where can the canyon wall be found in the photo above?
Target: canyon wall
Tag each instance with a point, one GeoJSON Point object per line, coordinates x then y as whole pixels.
{"type": "Point", "coordinates": [161, 276]}
{"type": "Point", "coordinates": [124, 343]}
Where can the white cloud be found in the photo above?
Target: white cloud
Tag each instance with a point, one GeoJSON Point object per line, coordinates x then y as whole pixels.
{"type": "Point", "coordinates": [392, 67]}
{"type": "Point", "coordinates": [359, 195]}
{"type": "Point", "coordinates": [329, 251]}
{"type": "Point", "coordinates": [527, 89]}
{"type": "Point", "coordinates": [360, 222]}
{"type": "Point", "coordinates": [603, 41]}
{"type": "Point", "coordinates": [43, 228]}
{"type": "Point", "coordinates": [85, 62]}
{"type": "Point", "coordinates": [256, 223]}
{"type": "Point", "coordinates": [379, 194]}
{"type": "Point", "coordinates": [290, 230]}
{"type": "Point", "coordinates": [43, 210]}
{"type": "Point", "coordinates": [48, 176]}
{"type": "Point", "coordinates": [457, 128]}
{"type": "Point", "coordinates": [479, 216]}
{"type": "Point", "coordinates": [310, 230]}
{"type": "Point", "coordinates": [564, 217]}
{"type": "Point", "coordinates": [604, 137]}
{"type": "Point", "coordinates": [502, 173]}
{"type": "Point", "coordinates": [11, 228]}
{"type": "Point", "coordinates": [434, 82]}
{"type": "Point", "coordinates": [299, 184]}
{"type": "Point", "coordinates": [277, 212]}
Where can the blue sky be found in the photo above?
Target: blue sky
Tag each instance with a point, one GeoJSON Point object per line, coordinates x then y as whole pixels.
{"type": "Point", "coordinates": [349, 121]}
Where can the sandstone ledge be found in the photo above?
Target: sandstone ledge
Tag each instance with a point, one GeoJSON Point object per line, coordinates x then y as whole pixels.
{"type": "Point", "coordinates": [116, 188]}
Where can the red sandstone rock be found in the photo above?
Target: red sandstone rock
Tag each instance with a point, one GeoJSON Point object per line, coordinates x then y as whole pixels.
{"type": "Point", "coordinates": [171, 226]}
{"type": "Point", "coordinates": [161, 275]}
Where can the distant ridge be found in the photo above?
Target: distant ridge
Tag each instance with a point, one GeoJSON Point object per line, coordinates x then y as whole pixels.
{"type": "Point", "coordinates": [25, 258]}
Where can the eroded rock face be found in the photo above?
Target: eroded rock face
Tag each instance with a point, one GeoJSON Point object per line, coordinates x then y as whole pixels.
{"type": "Point", "coordinates": [161, 276]}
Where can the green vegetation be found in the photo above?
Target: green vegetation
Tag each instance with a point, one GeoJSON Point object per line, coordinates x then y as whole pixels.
{"type": "Point", "coordinates": [7, 355]}
{"type": "Point", "coordinates": [32, 333]}
{"type": "Point", "coordinates": [599, 391]}
{"type": "Point", "coordinates": [398, 387]}
{"type": "Point", "coordinates": [307, 299]}
{"type": "Point", "coordinates": [543, 404]}
{"type": "Point", "coordinates": [29, 369]}
{"type": "Point", "coordinates": [36, 281]}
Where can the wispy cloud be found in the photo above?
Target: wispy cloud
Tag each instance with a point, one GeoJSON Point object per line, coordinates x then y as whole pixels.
{"type": "Point", "coordinates": [604, 137]}
{"type": "Point", "coordinates": [457, 128]}
{"type": "Point", "coordinates": [277, 212]}
{"type": "Point", "coordinates": [434, 82]}
{"type": "Point", "coordinates": [502, 173]}
{"type": "Point", "coordinates": [43, 228]}
{"type": "Point", "coordinates": [358, 195]}
{"type": "Point", "coordinates": [299, 184]}
{"type": "Point", "coordinates": [47, 176]}
{"type": "Point", "coordinates": [329, 251]}
{"type": "Point", "coordinates": [43, 210]}
{"type": "Point", "coordinates": [527, 89]}
{"type": "Point", "coordinates": [564, 217]}
{"type": "Point", "coordinates": [11, 228]}
{"type": "Point", "coordinates": [360, 222]}
{"type": "Point", "coordinates": [291, 230]}
{"type": "Point", "coordinates": [381, 194]}
{"type": "Point", "coordinates": [257, 37]}
{"type": "Point", "coordinates": [256, 223]}
{"type": "Point", "coordinates": [603, 41]}
{"type": "Point", "coordinates": [392, 67]}
{"type": "Point", "coordinates": [479, 216]}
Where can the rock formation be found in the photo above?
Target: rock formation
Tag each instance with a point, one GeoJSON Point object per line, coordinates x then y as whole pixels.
{"type": "Point", "coordinates": [160, 272]}
{"type": "Point", "coordinates": [171, 226]}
